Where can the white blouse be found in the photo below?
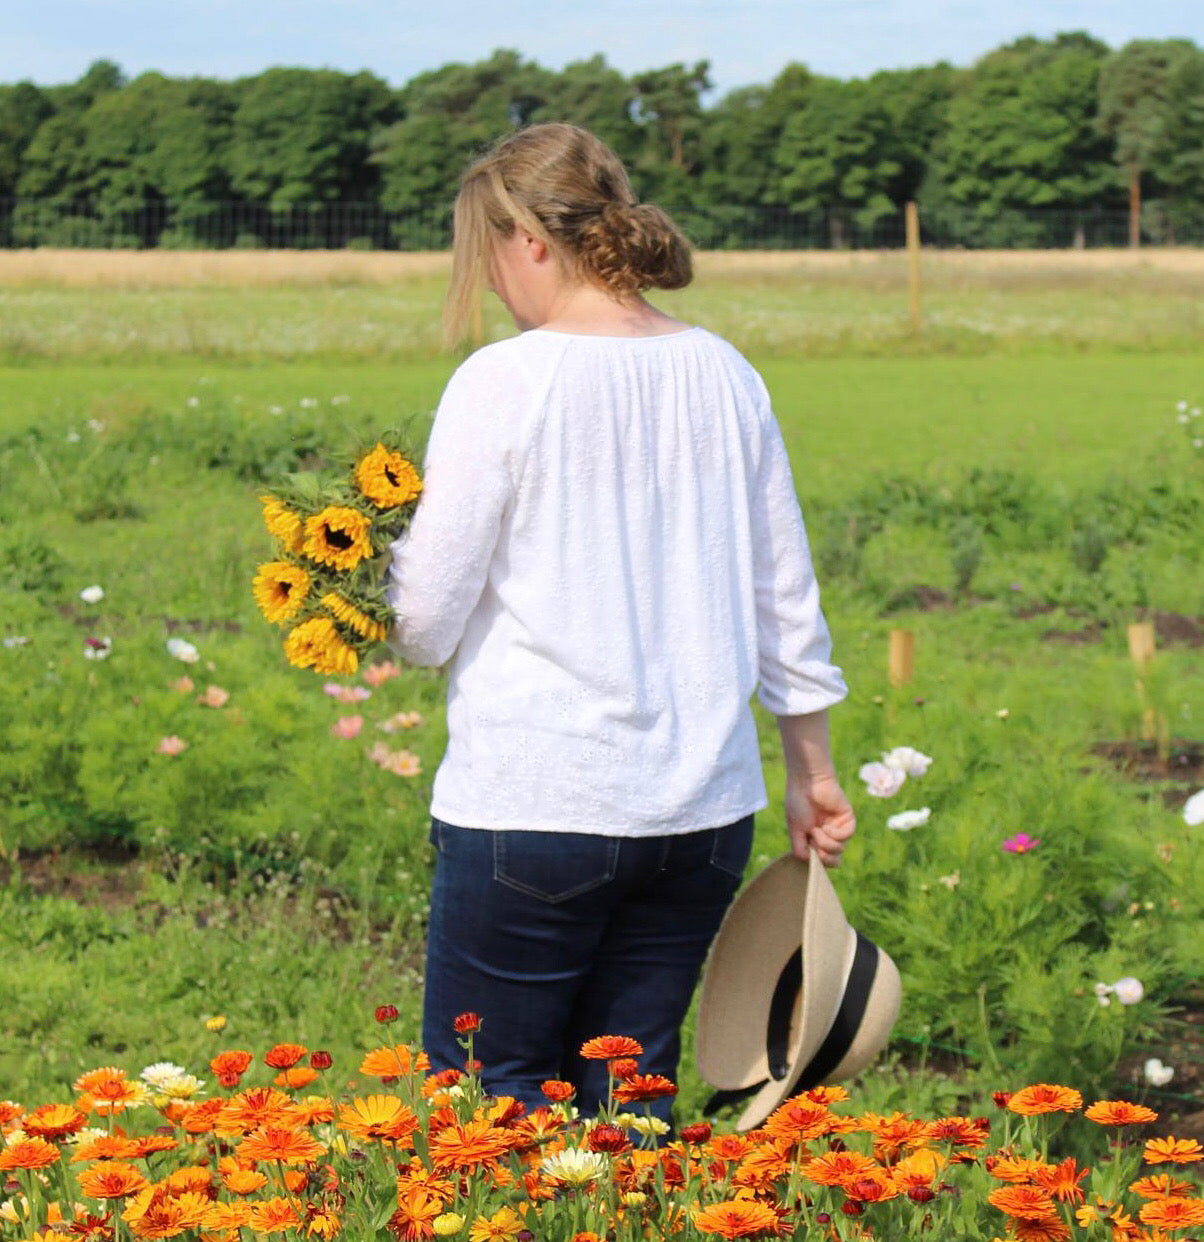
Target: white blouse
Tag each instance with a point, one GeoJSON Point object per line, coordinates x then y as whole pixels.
{"type": "Point", "coordinates": [610, 552]}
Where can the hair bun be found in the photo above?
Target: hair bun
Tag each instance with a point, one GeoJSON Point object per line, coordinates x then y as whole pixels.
{"type": "Point", "coordinates": [631, 247]}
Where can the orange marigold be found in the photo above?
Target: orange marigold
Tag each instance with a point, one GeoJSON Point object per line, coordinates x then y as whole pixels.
{"type": "Point", "coordinates": [115, 1146]}
{"type": "Point", "coordinates": [395, 1062]}
{"type": "Point", "coordinates": [244, 1181]}
{"type": "Point", "coordinates": [225, 1216]}
{"type": "Point", "coordinates": [740, 1218]}
{"type": "Point", "coordinates": [468, 1146]}
{"type": "Point", "coordinates": [273, 1216]}
{"type": "Point", "coordinates": [1172, 1151]}
{"type": "Point", "coordinates": [1023, 1202]}
{"type": "Point", "coordinates": [608, 1047]}
{"type": "Point", "coordinates": [10, 1110]}
{"type": "Point", "coordinates": [1119, 1113]}
{"type": "Point", "coordinates": [557, 1091]}
{"type": "Point", "coordinates": [250, 1109]}
{"type": "Point", "coordinates": [1173, 1213]}
{"type": "Point", "coordinates": [1161, 1186]}
{"type": "Point", "coordinates": [297, 1078]}
{"type": "Point", "coordinates": [644, 1087]}
{"type": "Point", "coordinates": [149, 1144]}
{"type": "Point", "coordinates": [30, 1153]}
{"type": "Point", "coordinates": [87, 1084]}
{"type": "Point", "coordinates": [798, 1120]}
{"type": "Point", "coordinates": [959, 1131]}
{"type": "Point", "coordinates": [378, 1117]}
{"type": "Point", "coordinates": [1047, 1229]}
{"type": "Point", "coordinates": [835, 1168]}
{"type": "Point", "coordinates": [111, 1179]}
{"type": "Point", "coordinates": [53, 1121]}
{"type": "Point", "coordinates": [1044, 1097]}
{"type": "Point", "coordinates": [281, 1144]}
{"type": "Point", "coordinates": [284, 1056]}
{"type": "Point", "coordinates": [1062, 1180]}
{"type": "Point", "coordinates": [415, 1214]}
{"type": "Point", "coordinates": [235, 1061]}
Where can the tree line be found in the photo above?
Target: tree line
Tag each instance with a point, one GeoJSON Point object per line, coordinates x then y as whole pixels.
{"type": "Point", "coordinates": [1034, 134]}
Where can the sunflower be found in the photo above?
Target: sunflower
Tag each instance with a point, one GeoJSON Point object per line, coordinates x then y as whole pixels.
{"type": "Point", "coordinates": [1120, 1113]}
{"type": "Point", "coordinates": [111, 1179]}
{"type": "Point", "coordinates": [317, 644]}
{"type": "Point", "coordinates": [739, 1218]}
{"type": "Point", "coordinates": [1042, 1097]}
{"type": "Point", "coordinates": [284, 1144]}
{"type": "Point", "coordinates": [338, 537]}
{"type": "Point", "coordinates": [283, 523]}
{"type": "Point", "coordinates": [378, 1117]}
{"type": "Point", "coordinates": [29, 1153]}
{"type": "Point", "coordinates": [280, 588]}
{"type": "Point", "coordinates": [387, 478]}
{"type": "Point", "coordinates": [609, 1047]}
{"type": "Point", "coordinates": [345, 611]}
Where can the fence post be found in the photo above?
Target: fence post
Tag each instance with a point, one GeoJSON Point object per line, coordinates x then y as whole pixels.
{"type": "Point", "coordinates": [1142, 649]}
{"type": "Point", "coordinates": [901, 657]}
{"type": "Point", "coordinates": [912, 216]}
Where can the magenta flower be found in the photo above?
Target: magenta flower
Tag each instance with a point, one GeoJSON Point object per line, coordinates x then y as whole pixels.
{"type": "Point", "coordinates": [1021, 843]}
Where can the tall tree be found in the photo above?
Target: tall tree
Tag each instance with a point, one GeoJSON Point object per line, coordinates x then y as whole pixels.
{"type": "Point", "coordinates": [1133, 84]}
{"type": "Point", "coordinates": [23, 108]}
{"type": "Point", "coordinates": [597, 96]}
{"type": "Point", "coordinates": [668, 103]}
{"type": "Point", "coordinates": [1179, 158]}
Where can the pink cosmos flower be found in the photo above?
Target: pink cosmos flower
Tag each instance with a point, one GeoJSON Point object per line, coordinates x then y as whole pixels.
{"type": "Point", "coordinates": [183, 685]}
{"type": "Point", "coordinates": [403, 720]}
{"type": "Point", "coordinates": [214, 696]}
{"type": "Point", "coordinates": [346, 694]}
{"type": "Point", "coordinates": [1021, 843]}
{"type": "Point", "coordinates": [171, 745]}
{"type": "Point", "coordinates": [378, 674]}
{"type": "Point", "coordinates": [347, 726]}
{"type": "Point", "coordinates": [399, 762]}
{"type": "Point", "coordinates": [881, 781]}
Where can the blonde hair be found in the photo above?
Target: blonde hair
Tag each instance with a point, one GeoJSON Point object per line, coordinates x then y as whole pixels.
{"type": "Point", "coordinates": [565, 186]}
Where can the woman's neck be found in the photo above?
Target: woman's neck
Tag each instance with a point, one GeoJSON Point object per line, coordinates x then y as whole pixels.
{"type": "Point", "coordinates": [587, 310]}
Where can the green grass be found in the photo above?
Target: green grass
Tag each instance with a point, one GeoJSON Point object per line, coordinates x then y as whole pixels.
{"type": "Point", "coordinates": [266, 886]}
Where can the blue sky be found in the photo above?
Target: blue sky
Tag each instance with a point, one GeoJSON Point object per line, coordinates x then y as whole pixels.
{"type": "Point", "coordinates": [747, 41]}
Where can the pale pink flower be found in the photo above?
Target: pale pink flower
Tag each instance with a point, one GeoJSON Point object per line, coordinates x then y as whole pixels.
{"type": "Point", "coordinates": [399, 762]}
{"type": "Point", "coordinates": [403, 720]}
{"type": "Point", "coordinates": [881, 781]}
{"type": "Point", "coordinates": [346, 694]}
{"type": "Point", "coordinates": [183, 685]}
{"type": "Point", "coordinates": [214, 696]}
{"type": "Point", "coordinates": [378, 674]}
{"type": "Point", "coordinates": [908, 760]}
{"type": "Point", "coordinates": [171, 745]}
{"type": "Point", "coordinates": [347, 726]}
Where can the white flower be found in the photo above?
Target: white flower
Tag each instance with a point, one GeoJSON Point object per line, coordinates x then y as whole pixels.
{"type": "Point", "coordinates": [95, 426]}
{"type": "Point", "coordinates": [575, 1165]}
{"type": "Point", "coordinates": [183, 650]}
{"type": "Point", "coordinates": [881, 781]}
{"type": "Point", "coordinates": [1157, 1074]}
{"type": "Point", "coordinates": [309, 403]}
{"type": "Point", "coordinates": [73, 436]}
{"type": "Point", "coordinates": [275, 409]}
{"type": "Point", "coordinates": [339, 400]}
{"type": "Point", "coordinates": [1103, 993]}
{"type": "Point", "coordinates": [98, 648]}
{"type": "Point", "coordinates": [92, 594]}
{"type": "Point", "coordinates": [1128, 990]}
{"type": "Point", "coordinates": [1003, 713]}
{"type": "Point", "coordinates": [1193, 809]}
{"type": "Point", "coordinates": [1183, 420]}
{"type": "Point", "coordinates": [649, 1126]}
{"type": "Point", "coordinates": [905, 821]}
{"type": "Point", "coordinates": [17, 640]}
{"type": "Point", "coordinates": [1181, 406]}
{"type": "Point", "coordinates": [161, 1073]}
{"type": "Point", "coordinates": [193, 402]}
{"type": "Point", "coordinates": [950, 881]}
{"type": "Point", "coordinates": [908, 761]}
{"type": "Point", "coordinates": [182, 1087]}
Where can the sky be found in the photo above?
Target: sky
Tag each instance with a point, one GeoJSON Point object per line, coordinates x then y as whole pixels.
{"type": "Point", "coordinates": [746, 41]}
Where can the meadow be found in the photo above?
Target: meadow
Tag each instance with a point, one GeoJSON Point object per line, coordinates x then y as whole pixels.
{"type": "Point", "coordinates": [1015, 484]}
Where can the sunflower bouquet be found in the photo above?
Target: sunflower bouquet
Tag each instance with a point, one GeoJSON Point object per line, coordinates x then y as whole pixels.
{"type": "Point", "coordinates": [326, 584]}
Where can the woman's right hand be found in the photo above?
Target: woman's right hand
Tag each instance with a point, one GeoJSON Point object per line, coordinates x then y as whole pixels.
{"type": "Point", "coordinates": [819, 817]}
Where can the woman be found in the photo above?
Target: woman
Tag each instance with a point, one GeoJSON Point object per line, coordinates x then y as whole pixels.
{"type": "Point", "coordinates": [610, 552]}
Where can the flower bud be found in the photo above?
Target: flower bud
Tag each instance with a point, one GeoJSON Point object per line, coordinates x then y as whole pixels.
{"type": "Point", "coordinates": [386, 1013]}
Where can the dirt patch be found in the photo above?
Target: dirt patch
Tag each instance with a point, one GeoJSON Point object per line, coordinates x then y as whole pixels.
{"type": "Point", "coordinates": [920, 598]}
{"type": "Point", "coordinates": [1140, 761]}
{"type": "Point", "coordinates": [1171, 629]}
{"type": "Point", "coordinates": [107, 880]}
{"type": "Point", "coordinates": [1092, 632]}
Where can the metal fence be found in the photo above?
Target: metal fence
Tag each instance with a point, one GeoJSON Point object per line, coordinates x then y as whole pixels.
{"type": "Point", "coordinates": [369, 226]}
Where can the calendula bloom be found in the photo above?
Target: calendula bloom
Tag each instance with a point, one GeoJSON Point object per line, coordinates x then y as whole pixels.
{"type": "Point", "coordinates": [283, 523]}
{"type": "Point", "coordinates": [640, 1087]}
{"type": "Point", "coordinates": [161, 1072]}
{"type": "Point", "coordinates": [1172, 1151]}
{"type": "Point", "coordinates": [447, 1225]}
{"type": "Point", "coordinates": [503, 1226]}
{"type": "Point", "coordinates": [150, 1144]}
{"type": "Point", "coordinates": [236, 1062]}
{"type": "Point", "coordinates": [466, 1023]}
{"type": "Point", "coordinates": [339, 537]}
{"type": "Point", "coordinates": [1162, 1186]}
{"type": "Point", "coordinates": [960, 1131]}
{"type": "Point", "coordinates": [227, 1216]}
{"type": "Point", "coordinates": [317, 644]}
{"type": "Point", "coordinates": [387, 478]}
{"type": "Point", "coordinates": [558, 1091]}
{"type": "Point", "coordinates": [1045, 1229]}
{"type": "Point", "coordinates": [29, 1153]}
{"type": "Point", "coordinates": [1009, 1168]}
{"type": "Point", "coordinates": [355, 618]}
{"type": "Point", "coordinates": [919, 1168]}
{"type": "Point", "coordinates": [608, 1047]}
{"type": "Point", "coordinates": [297, 1078]}
{"type": "Point", "coordinates": [378, 1117]}
{"type": "Point", "coordinates": [273, 1216]}
{"type": "Point", "coordinates": [1173, 1213]}
{"type": "Point", "coordinates": [250, 1109]}
{"type": "Point", "coordinates": [53, 1121]}
{"type": "Point", "coordinates": [244, 1181]}
{"type": "Point", "coordinates": [739, 1218]}
{"type": "Point", "coordinates": [10, 1110]}
{"type": "Point", "coordinates": [1023, 1202]}
{"type": "Point", "coordinates": [115, 1146]}
{"type": "Point", "coordinates": [395, 1062]}
{"type": "Point", "coordinates": [468, 1146]}
{"type": "Point", "coordinates": [111, 1179]}
{"type": "Point", "coordinates": [1044, 1098]}
{"type": "Point", "coordinates": [835, 1168]}
{"type": "Point", "coordinates": [574, 1166]}
{"type": "Point", "coordinates": [284, 1056]}
{"type": "Point", "coordinates": [1120, 1113]}
{"type": "Point", "coordinates": [650, 1127]}
{"type": "Point", "coordinates": [1062, 1180]}
{"type": "Point", "coordinates": [285, 1145]}
{"type": "Point", "coordinates": [415, 1216]}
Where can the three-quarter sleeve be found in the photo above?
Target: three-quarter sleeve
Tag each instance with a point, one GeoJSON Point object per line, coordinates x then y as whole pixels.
{"type": "Point", "coordinates": [440, 564]}
{"type": "Point", "coordinates": [796, 675]}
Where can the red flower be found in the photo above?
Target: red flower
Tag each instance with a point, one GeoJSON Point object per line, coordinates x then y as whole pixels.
{"type": "Point", "coordinates": [696, 1132]}
{"type": "Point", "coordinates": [557, 1091]}
{"type": "Point", "coordinates": [608, 1138]}
{"type": "Point", "coordinates": [644, 1087]}
{"type": "Point", "coordinates": [466, 1023]}
{"type": "Point", "coordinates": [386, 1013]}
{"type": "Point", "coordinates": [321, 1060]}
{"type": "Point", "coordinates": [284, 1056]}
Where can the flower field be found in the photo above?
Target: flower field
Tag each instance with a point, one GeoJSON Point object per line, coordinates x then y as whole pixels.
{"type": "Point", "coordinates": [193, 832]}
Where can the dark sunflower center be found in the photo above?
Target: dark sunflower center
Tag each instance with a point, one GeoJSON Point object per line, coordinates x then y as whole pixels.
{"type": "Point", "coordinates": [391, 476]}
{"type": "Point", "coordinates": [338, 539]}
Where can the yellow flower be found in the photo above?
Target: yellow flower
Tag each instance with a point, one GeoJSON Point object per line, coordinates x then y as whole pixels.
{"type": "Point", "coordinates": [447, 1224]}
{"type": "Point", "coordinates": [317, 644]}
{"type": "Point", "coordinates": [280, 588]}
{"type": "Point", "coordinates": [364, 625]}
{"type": "Point", "coordinates": [282, 522]}
{"type": "Point", "coordinates": [387, 478]}
{"type": "Point", "coordinates": [503, 1226]}
{"type": "Point", "coordinates": [338, 537]}
{"type": "Point", "coordinates": [216, 1023]}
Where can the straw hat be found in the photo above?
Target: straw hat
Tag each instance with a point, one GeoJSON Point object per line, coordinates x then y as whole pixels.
{"type": "Point", "coordinates": [792, 996]}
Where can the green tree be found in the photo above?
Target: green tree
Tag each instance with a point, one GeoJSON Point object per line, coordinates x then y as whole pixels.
{"type": "Point", "coordinates": [23, 108]}
{"type": "Point", "coordinates": [597, 96]}
{"type": "Point", "coordinates": [1020, 134]}
{"type": "Point", "coordinates": [1179, 157]}
{"type": "Point", "coordinates": [1133, 85]}
{"type": "Point", "coordinates": [668, 106]}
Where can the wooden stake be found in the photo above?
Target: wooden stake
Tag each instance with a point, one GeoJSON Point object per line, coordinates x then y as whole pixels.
{"type": "Point", "coordinates": [901, 657]}
{"type": "Point", "coordinates": [912, 217]}
{"type": "Point", "coordinates": [1143, 647]}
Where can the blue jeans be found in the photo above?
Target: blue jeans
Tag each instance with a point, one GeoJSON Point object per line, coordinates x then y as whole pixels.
{"type": "Point", "coordinates": [555, 937]}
